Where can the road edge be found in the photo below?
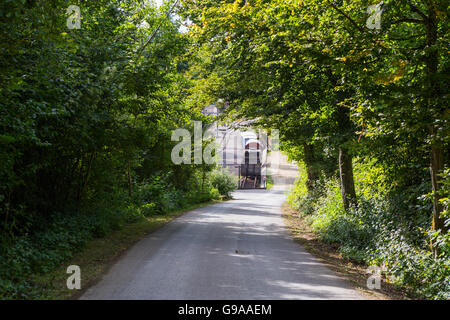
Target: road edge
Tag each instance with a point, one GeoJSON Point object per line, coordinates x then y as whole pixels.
{"type": "Point", "coordinates": [328, 254]}
{"type": "Point", "coordinates": [99, 255]}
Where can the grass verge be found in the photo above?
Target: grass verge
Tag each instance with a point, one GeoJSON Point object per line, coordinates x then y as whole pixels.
{"type": "Point", "coordinates": [328, 253]}
{"type": "Point", "coordinates": [100, 254]}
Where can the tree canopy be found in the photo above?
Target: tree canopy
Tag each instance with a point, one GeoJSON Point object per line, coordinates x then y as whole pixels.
{"type": "Point", "coordinates": [357, 89]}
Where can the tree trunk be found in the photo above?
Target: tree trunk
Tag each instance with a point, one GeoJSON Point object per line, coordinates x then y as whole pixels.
{"type": "Point", "coordinates": [130, 186]}
{"type": "Point", "coordinates": [84, 180]}
{"type": "Point", "coordinates": [309, 162]}
{"type": "Point", "coordinates": [346, 176]}
{"type": "Point", "coordinates": [433, 91]}
{"type": "Point", "coordinates": [346, 130]}
{"type": "Point", "coordinates": [203, 178]}
{"type": "Point", "coordinates": [436, 167]}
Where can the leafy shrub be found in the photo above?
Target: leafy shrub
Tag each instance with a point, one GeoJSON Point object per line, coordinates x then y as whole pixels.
{"type": "Point", "coordinates": [387, 229]}
{"type": "Point", "coordinates": [160, 197]}
{"type": "Point", "coordinates": [200, 196]}
{"type": "Point", "coordinates": [44, 250]}
{"type": "Point", "coordinates": [299, 198]}
{"type": "Point", "coordinates": [157, 196]}
{"type": "Point", "coordinates": [54, 240]}
{"type": "Point", "coordinates": [302, 199]}
{"type": "Point", "coordinates": [224, 182]}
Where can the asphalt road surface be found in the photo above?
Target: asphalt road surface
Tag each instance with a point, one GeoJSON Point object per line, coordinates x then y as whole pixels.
{"type": "Point", "coordinates": [237, 249]}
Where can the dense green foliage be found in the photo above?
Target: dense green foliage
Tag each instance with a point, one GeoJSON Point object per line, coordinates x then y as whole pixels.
{"type": "Point", "coordinates": [224, 182]}
{"type": "Point", "coordinates": [384, 230]}
{"type": "Point", "coordinates": [86, 117]}
{"type": "Point", "coordinates": [57, 238]}
{"type": "Point", "coordinates": [352, 104]}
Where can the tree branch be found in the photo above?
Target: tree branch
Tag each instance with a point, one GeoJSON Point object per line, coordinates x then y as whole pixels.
{"type": "Point", "coordinates": [409, 20]}
{"type": "Point", "coordinates": [414, 36]}
{"type": "Point", "coordinates": [416, 10]}
{"type": "Point", "coordinates": [357, 26]}
{"type": "Point", "coordinates": [153, 35]}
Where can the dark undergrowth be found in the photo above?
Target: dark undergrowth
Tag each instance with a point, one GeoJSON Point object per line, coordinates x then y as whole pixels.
{"type": "Point", "coordinates": [388, 229]}
{"type": "Point", "coordinates": [58, 238]}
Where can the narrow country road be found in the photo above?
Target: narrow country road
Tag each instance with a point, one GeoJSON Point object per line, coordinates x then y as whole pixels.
{"type": "Point", "coordinates": [237, 249]}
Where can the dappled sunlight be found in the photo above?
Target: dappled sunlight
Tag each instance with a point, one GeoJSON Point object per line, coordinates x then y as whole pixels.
{"type": "Point", "coordinates": [239, 249]}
